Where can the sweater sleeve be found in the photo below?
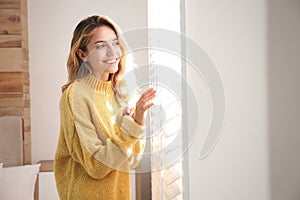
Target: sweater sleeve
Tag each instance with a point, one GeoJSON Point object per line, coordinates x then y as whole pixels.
{"type": "Point", "coordinates": [137, 151]}
{"type": "Point", "coordinates": [128, 132]}
{"type": "Point", "coordinates": [98, 157]}
{"type": "Point", "coordinates": [129, 137]}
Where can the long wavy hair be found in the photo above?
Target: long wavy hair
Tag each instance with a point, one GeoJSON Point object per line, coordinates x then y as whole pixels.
{"type": "Point", "coordinates": [80, 40]}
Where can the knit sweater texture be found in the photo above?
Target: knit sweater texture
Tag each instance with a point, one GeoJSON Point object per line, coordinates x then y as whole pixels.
{"type": "Point", "coordinates": [97, 145]}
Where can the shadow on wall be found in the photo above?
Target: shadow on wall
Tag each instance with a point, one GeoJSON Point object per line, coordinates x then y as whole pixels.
{"type": "Point", "coordinates": [284, 98]}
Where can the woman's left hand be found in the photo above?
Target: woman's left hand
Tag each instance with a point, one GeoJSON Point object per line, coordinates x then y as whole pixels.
{"type": "Point", "coordinates": [143, 105]}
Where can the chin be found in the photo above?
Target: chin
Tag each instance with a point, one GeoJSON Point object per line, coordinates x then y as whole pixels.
{"type": "Point", "coordinates": [112, 69]}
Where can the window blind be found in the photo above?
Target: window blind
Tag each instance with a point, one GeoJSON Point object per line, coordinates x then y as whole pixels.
{"type": "Point", "coordinates": [166, 116]}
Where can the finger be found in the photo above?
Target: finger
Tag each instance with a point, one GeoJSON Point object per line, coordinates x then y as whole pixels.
{"type": "Point", "coordinates": [125, 111]}
{"type": "Point", "coordinates": [147, 95]}
{"type": "Point", "coordinates": [144, 101]}
{"type": "Point", "coordinates": [131, 112]}
{"type": "Point", "coordinates": [147, 98]}
{"type": "Point", "coordinates": [148, 92]}
{"type": "Point", "coordinates": [148, 106]}
{"type": "Point", "coordinates": [143, 107]}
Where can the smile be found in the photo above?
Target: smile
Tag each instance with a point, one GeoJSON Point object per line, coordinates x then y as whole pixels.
{"type": "Point", "coordinates": [111, 61]}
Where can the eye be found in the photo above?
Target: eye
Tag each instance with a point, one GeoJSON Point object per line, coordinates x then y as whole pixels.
{"type": "Point", "coordinates": [116, 43]}
{"type": "Point", "coordinates": [100, 46]}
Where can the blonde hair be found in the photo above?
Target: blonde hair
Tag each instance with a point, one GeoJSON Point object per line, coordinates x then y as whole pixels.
{"type": "Point", "coordinates": [80, 40]}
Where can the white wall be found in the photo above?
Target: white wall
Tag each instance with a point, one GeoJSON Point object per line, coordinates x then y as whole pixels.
{"type": "Point", "coordinates": [284, 109]}
{"type": "Point", "coordinates": [51, 24]}
{"type": "Point", "coordinates": [233, 33]}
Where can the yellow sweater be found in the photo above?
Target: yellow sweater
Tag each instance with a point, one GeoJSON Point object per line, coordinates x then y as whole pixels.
{"type": "Point", "coordinates": [97, 146]}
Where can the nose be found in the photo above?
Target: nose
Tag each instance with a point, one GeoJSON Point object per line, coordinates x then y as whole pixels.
{"type": "Point", "coordinates": [111, 50]}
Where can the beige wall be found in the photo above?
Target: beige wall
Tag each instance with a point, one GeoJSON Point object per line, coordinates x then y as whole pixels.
{"type": "Point", "coordinates": [233, 33]}
{"type": "Point", "coordinates": [284, 97]}
{"type": "Point", "coordinates": [51, 24]}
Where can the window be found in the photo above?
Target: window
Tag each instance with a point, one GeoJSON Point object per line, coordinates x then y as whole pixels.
{"type": "Point", "coordinates": [166, 117]}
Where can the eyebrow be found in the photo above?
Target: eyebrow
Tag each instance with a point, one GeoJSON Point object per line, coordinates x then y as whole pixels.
{"type": "Point", "coordinates": [99, 41]}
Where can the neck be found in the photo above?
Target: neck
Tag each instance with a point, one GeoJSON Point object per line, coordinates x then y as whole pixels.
{"type": "Point", "coordinates": [102, 76]}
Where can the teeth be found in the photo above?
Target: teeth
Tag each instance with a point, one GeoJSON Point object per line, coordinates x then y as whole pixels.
{"type": "Point", "coordinates": [111, 61]}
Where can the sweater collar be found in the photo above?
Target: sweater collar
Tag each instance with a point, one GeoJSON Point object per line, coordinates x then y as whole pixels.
{"type": "Point", "coordinates": [102, 87]}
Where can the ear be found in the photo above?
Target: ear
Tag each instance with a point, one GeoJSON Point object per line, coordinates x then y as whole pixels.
{"type": "Point", "coordinates": [82, 55]}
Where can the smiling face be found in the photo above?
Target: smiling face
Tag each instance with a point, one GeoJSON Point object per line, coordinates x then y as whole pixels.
{"type": "Point", "coordinates": [103, 52]}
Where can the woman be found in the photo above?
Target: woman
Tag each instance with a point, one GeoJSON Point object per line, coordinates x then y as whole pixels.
{"type": "Point", "coordinates": [99, 138]}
